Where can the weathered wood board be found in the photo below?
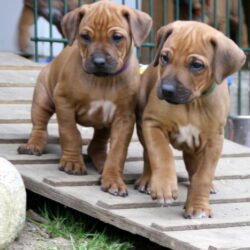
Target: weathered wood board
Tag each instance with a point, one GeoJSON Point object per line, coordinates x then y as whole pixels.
{"type": "Point", "coordinates": [138, 213]}
{"type": "Point", "coordinates": [11, 61]}
{"type": "Point", "coordinates": [19, 78]}
{"type": "Point", "coordinates": [13, 95]}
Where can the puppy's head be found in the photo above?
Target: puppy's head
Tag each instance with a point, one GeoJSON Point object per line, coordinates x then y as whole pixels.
{"type": "Point", "coordinates": [105, 31]}
{"type": "Point", "coordinates": [191, 57]}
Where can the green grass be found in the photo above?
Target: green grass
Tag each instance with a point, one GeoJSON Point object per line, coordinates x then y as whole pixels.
{"type": "Point", "coordinates": [82, 234]}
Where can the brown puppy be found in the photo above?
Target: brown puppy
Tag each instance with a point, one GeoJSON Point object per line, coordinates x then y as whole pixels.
{"type": "Point", "coordinates": [27, 18]}
{"type": "Point", "coordinates": [185, 101]}
{"type": "Point", "coordinates": [93, 82]}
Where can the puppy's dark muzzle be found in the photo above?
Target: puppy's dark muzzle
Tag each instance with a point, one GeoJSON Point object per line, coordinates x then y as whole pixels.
{"type": "Point", "coordinates": [174, 93]}
{"type": "Point", "coordinates": [101, 65]}
{"type": "Point", "coordinates": [100, 62]}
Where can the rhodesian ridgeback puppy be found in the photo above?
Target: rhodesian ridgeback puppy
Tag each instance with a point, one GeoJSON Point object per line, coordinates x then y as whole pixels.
{"type": "Point", "coordinates": [93, 82]}
{"type": "Point", "coordinates": [185, 101]}
{"type": "Point", "coordinates": [26, 19]}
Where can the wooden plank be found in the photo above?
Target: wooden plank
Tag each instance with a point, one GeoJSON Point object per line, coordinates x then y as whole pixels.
{"type": "Point", "coordinates": [87, 180]}
{"type": "Point", "coordinates": [52, 176]}
{"type": "Point", "coordinates": [230, 149]}
{"type": "Point", "coordinates": [228, 168]}
{"type": "Point", "coordinates": [82, 199]}
{"type": "Point", "coordinates": [20, 78]}
{"type": "Point", "coordinates": [133, 169]}
{"type": "Point", "coordinates": [229, 191]}
{"type": "Point", "coordinates": [171, 218]}
{"type": "Point", "coordinates": [226, 238]}
{"type": "Point", "coordinates": [16, 95]}
{"type": "Point", "coordinates": [20, 132]}
{"type": "Point", "coordinates": [196, 224]}
{"type": "Point", "coordinates": [17, 113]}
{"type": "Point", "coordinates": [222, 248]}
{"type": "Point", "coordinates": [9, 152]}
{"type": "Point", "coordinates": [11, 61]}
{"type": "Point", "coordinates": [51, 155]}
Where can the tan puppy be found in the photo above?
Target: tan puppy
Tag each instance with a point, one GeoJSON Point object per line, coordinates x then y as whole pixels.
{"type": "Point", "coordinates": [26, 19]}
{"type": "Point", "coordinates": [185, 101]}
{"type": "Point", "coordinates": [93, 82]}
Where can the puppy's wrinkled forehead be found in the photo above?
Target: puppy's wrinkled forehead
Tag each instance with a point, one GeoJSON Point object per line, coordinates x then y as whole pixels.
{"type": "Point", "coordinates": [187, 39]}
{"type": "Point", "coordinates": [103, 17]}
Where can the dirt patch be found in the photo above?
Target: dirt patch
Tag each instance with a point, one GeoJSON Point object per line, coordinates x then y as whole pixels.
{"type": "Point", "coordinates": [34, 237]}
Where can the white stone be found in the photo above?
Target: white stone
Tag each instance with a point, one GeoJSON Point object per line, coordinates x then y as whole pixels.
{"type": "Point", "coordinates": [12, 203]}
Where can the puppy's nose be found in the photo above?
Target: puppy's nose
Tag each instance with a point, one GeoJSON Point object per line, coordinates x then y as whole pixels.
{"type": "Point", "coordinates": [99, 61]}
{"type": "Point", "coordinates": [168, 90]}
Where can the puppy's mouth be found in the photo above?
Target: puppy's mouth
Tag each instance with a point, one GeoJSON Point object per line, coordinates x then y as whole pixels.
{"type": "Point", "coordinates": [174, 94]}
{"type": "Point", "coordinates": [101, 74]}
{"type": "Point", "coordinates": [100, 66]}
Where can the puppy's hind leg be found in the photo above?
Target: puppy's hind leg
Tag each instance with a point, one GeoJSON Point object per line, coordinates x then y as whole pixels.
{"type": "Point", "coordinates": [97, 149]}
{"type": "Point", "coordinates": [42, 110]}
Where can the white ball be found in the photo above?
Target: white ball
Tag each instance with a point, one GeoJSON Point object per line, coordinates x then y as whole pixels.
{"type": "Point", "coordinates": [12, 203]}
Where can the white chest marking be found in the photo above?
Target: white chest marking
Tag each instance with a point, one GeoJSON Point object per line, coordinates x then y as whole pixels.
{"type": "Point", "coordinates": [190, 135]}
{"type": "Point", "coordinates": [106, 108]}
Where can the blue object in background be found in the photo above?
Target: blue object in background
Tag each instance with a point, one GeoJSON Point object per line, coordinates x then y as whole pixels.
{"type": "Point", "coordinates": [45, 60]}
{"type": "Point", "coordinates": [229, 80]}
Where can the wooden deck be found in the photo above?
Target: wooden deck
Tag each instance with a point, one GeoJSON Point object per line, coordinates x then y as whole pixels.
{"type": "Point", "coordinates": [138, 214]}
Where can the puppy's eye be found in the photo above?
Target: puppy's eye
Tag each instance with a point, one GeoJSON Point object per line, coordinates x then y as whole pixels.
{"type": "Point", "coordinates": [86, 38]}
{"type": "Point", "coordinates": [164, 59]}
{"type": "Point", "coordinates": [196, 66]}
{"type": "Point", "coordinates": [117, 37]}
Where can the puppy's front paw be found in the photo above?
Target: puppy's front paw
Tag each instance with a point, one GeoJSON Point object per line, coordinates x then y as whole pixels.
{"type": "Point", "coordinates": [114, 185]}
{"type": "Point", "coordinates": [164, 190]}
{"type": "Point", "coordinates": [195, 212]}
{"type": "Point", "coordinates": [142, 184]}
{"type": "Point", "coordinates": [30, 149]}
{"type": "Point", "coordinates": [72, 165]}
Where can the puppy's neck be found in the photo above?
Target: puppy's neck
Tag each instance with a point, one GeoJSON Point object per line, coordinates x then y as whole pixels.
{"type": "Point", "coordinates": [208, 91]}
{"type": "Point", "coordinates": [123, 69]}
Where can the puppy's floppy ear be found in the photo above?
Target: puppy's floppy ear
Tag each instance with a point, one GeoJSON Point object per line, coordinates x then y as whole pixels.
{"type": "Point", "coordinates": [228, 57]}
{"type": "Point", "coordinates": [140, 24]}
{"type": "Point", "coordinates": [70, 23]}
{"type": "Point", "coordinates": [162, 35]}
